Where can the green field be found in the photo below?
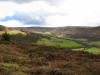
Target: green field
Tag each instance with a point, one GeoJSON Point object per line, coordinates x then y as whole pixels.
{"type": "Point", "coordinates": [70, 44]}
{"type": "Point", "coordinates": [59, 43]}
{"type": "Point", "coordinates": [97, 43]}
{"type": "Point", "coordinates": [92, 50]}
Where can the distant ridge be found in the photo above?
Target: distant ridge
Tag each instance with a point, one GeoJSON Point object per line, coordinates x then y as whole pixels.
{"type": "Point", "coordinates": [72, 31]}
{"type": "Point", "coordinates": [3, 28]}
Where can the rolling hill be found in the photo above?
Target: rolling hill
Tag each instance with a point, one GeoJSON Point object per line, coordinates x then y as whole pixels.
{"type": "Point", "coordinates": [50, 51]}
{"type": "Point", "coordinates": [91, 33]}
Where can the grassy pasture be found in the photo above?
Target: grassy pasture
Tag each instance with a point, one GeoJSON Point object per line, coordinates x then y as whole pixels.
{"type": "Point", "coordinates": [16, 32]}
{"type": "Point", "coordinates": [97, 43]}
{"type": "Point", "coordinates": [13, 32]}
{"type": "Point", "coordinates": [92, 50]}
{"type": "Point", "coordinates": [59, 43]}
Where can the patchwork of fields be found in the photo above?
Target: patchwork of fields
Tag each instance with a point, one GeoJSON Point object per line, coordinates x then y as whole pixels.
{"type": "Point", "coordinates": [59, 43]}
{"type": "Point", "coordinates": [92, 47]}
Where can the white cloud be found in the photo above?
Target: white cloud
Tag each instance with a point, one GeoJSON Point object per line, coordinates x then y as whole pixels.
{"type": "Point", "coordinates": [14, 23]}
{"type": "Point", "coordinates": [6, 9]}
{"type": "Point", "coordinates": [61, 13]}
{"type": "Point", "coordinates": [27, 1]}
{"type": "Point", "coordinates": [77, 13]}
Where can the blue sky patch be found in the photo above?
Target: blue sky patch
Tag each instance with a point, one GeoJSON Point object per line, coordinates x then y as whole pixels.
{"type": "Point", "coordinates": [25, 19]}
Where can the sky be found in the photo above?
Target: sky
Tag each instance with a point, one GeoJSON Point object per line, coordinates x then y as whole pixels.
{"type": "Point", "coordinates": [49, 13]}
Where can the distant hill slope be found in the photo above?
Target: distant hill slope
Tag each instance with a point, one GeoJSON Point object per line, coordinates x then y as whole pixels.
{"type": "Point", "coordinates": [59, 30]}
{"type": "Point", "coordinates": [10, 30]}
{"type": "Point", "coordinates": [39, 29]}
{"type": "Point", "coordinates": [75, 32]}
{"type": "Point", "coordinates": [2, 28]}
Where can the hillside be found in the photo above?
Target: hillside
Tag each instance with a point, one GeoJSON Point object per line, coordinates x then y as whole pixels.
{"type": "Point", "coordinates": [2, 28]}
{"type": "Point", "coordinates": [10, 30]}
{"type": "Point", "coordinates": [23, 59]}
{"type": "Point", "coordinates": [38, 29]}
{"type": "Point", "coordinates": [75, 32]}
{"type": "Point", "coordinates": [50, 51]}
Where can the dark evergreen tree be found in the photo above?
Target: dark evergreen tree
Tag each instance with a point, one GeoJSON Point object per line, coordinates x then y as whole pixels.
{"type": "Point", "coordinates": [5, 37]}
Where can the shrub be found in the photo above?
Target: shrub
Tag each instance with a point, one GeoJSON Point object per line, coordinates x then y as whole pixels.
{"type": "Point", "coordinates": [5, 37]}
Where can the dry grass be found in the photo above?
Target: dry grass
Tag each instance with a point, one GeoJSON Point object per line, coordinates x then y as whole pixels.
{"type": "Point", "coordinates": [45, 60]}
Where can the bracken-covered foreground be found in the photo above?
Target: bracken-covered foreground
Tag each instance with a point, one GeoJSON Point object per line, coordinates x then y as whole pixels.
{"type": "Point", "coordinates": [25, 59]}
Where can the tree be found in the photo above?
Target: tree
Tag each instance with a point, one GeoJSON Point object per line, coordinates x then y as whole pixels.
{"type": "Point", "coordinates": [5, 37]}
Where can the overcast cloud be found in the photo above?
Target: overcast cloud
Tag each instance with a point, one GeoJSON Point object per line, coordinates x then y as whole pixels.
{"type": "Point", "coordinates": [50, 13]}
{"type": "Point", "coordinates": [25, 1]}
{"type": "Point", "coordinates": [18, 1]}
